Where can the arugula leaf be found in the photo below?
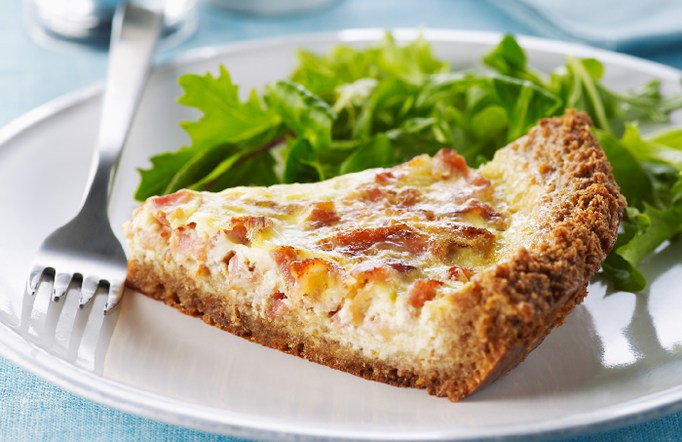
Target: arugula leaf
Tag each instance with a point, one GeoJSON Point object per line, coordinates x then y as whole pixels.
{"type": "Point", "coordinates": [155, 180]}
{"type": "Point", "coordinates": [302, 112]}
{"type": "Point", "coordinates": [654, 150]}
{"type": "Point", "coordinates": [635, 183]}
{"type": "Point", "coordinates": [671, 138]}
{"type": "Point", "coordinates": [623, 274]}
{"type": "Point", "coordinates": [225, 118]}
{"type": "Point", "coordinates": [322, 74]}
{"type": "Point", "coordinates": [654, 227]}
{"type": "Point", "coordinates": [256, 170]}
{"type": "Point", "coordinates": [508, 58]}
{"type": "Point", "coordinates": [410, 62]}
{"type": "Point", "coordinates": [585, 93]}
{"type": "Point", "coordinates": [225, 124]}
{"type": "Point", "coordinates": [643, 104]}
{"type": "Point", "coordinates": [524, 102]}
{"type": "Point", "coordinates": [377, 152]}
{"type": "Point", "coordinates": [200, 166]}
{"type": "Point", "coordinates": [654, 194]}
{"type": "Point", "coordinates": [578, 85]}
{"type": "Point", "coordinates": [301, 164]}
{"type": "Point", "coordinates": [389, 103]}
{"type": "Point", "coordinates": [644, 232]}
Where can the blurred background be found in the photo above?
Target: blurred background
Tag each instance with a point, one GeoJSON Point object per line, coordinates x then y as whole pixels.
{"type": "Point", "coordinates": [36, 67]}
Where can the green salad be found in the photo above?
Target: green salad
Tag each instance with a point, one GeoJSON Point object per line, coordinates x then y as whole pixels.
{"type": "Point", "coordinates": [354, 109]}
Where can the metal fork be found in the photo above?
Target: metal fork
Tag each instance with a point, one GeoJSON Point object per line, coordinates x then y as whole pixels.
{"type": "Point", "coordinates": [85, 249]}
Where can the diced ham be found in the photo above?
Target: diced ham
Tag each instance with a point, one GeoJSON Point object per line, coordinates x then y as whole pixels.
{"type": "Point", "coordinates": [284, 256]}
{"type": "Point", "coordinates": [237, 234]}
{"type": "Point", "coordinates": [405, 197]}
{"type": "Point", "coordinates": [244, 228]}
{"type": "Point", "coordinates": [173, 199]}
{"type": "Point", "coordinates": [277, 306]}
{"type": "Point", "coordinates": [322, 214]}
{"type": "Point", "coordinates": [385, 177]}
{"type": "Point", "coordinates": [162, 206]}
{"type": "Point", "coordinates": [477, 207]}
{"type": "Point", "coordinates": [312, 276]}
{"type": "Point", "coordinates": [459, 273]}
{"type": "Point", "coordinates": [478, 180]}
{"type": "Point", "coordinates": [448, 163]}
{"type": "Point", "coordinates": [408, 196]}
{"type": "Point", "coordinates": [422, 290]}
{"type": "Point", "coordinates": [183, 241]}
{"type": "Point", "coordinates": [397, 236]}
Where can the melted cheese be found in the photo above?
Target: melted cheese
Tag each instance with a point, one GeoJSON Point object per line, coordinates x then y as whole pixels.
{"type": "Point", "coordinates": [379, 251]}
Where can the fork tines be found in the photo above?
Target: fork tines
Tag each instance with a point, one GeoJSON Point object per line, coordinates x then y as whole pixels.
{"type": "Point", "coordinates": [61, 281]}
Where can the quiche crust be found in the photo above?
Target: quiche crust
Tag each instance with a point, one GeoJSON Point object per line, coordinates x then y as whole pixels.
{"type": "Point", "coordinates": [512, 266]}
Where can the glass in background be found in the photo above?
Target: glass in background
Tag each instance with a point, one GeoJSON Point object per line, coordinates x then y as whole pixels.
{"type": "Point", "coordinates": [88, 22]}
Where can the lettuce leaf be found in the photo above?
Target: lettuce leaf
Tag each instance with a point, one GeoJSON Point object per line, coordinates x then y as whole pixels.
{"type": "Point", "coordinates": [227, 127]}
{"type": "Point", "coordinates": [650, 176]}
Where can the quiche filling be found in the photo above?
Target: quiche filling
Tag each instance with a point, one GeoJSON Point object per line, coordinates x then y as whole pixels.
{"type": "Point", "coordinates": [369, 259]}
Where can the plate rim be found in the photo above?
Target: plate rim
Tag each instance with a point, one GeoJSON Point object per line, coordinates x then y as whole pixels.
{"type": "Point", "coordinates": [203, 418]}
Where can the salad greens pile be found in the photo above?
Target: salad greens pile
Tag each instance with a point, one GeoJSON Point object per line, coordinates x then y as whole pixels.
{"type": "Point", "coordinates": [354, 109]}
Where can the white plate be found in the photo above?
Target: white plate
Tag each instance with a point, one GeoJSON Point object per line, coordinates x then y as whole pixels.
{"type": "Point", "coordinates": [617, 359]}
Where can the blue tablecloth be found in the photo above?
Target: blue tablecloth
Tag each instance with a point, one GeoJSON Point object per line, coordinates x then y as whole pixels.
{"type": "Point", "coordinates": [30, 74]}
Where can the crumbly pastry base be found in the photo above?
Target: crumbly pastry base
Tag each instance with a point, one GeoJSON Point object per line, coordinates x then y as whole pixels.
{"type": "Point", "coordinates": [498, 317]}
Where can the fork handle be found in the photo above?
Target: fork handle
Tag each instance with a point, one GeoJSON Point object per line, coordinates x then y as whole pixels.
{"type": "Point", "coordinates": [135, 32]}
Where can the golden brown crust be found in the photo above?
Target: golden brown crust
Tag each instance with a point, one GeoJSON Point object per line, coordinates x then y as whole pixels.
{"type": "Point", "coordinates": [514, 305]}
{"type": "Point", "coordinates": [502, 313]}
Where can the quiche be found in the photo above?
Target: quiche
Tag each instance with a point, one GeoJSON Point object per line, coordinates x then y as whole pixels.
{"type": "Point", "coordinates": [428, 274]}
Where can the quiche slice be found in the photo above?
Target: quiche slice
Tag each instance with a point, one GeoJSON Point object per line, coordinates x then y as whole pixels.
{"type": "Point", "coordinates": [428, 274]}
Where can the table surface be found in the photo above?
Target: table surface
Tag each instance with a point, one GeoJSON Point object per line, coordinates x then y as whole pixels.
{"type": "Point", "coordinates": [32, 74]}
